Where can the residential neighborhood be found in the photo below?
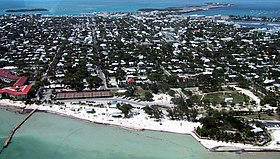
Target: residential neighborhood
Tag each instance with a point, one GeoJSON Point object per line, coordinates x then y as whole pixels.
{"type": "Point", "coordinates": [195, 68]}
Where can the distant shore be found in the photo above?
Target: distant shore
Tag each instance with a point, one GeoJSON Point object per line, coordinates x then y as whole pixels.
{"type": "Point", "coordinates": [27, 10]}
{"type": "Point", "coordinates": [139, 123]}
{"type": "Point", "coordinates": [187, 9]}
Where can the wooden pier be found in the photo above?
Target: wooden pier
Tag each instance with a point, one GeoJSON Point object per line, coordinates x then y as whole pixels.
{"type": "Point", "coordinates": [8, 140]}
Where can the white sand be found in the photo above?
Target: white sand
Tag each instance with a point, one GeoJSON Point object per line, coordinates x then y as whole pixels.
{"type": "Point", "coordinates": [7, 102]}
{"type": "Point", "coordinates": [142, 121]}
{"type": "Point", "coordinates": [162, 99]}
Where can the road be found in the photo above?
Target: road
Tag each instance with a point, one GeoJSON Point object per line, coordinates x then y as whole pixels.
{"type": "Point", "coordinates": [180, 92]}
{"type": "Point", "coordinates": [249, 94]}
{"type": "Point", "coordinates": [140, 104]}
{"type": "Point", "coordinates": [102, 76]}
{"type": "Point", "coordinates": [46, 75]}
{"type": "Point", "coordinates": [165, 71]}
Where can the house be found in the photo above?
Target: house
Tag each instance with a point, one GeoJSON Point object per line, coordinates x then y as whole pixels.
{"type": "Point", "coordinates": [113, 104]}
{"type": "Point", "coordinates": [228, 100]}
{"type": "Point", "coordinates": [130, 80]}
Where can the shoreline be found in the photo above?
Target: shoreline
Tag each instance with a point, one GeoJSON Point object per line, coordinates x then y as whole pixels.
{"type": "Point", "coordinates": [210, 145]}
{"type": "Point", "coordinates": [187, 9]}
{"type": "Point", "coordinates": [26, 10]}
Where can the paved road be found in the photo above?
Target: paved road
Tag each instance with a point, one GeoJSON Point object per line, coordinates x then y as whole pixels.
{"type": "Point", "coordinates": [249, 94]}
{"type": "Point", "coordinates": [102, 76]}
{"type": "Point", "coordinates": [106, 100]}
{"type": "Point", "coordinates": [165, 71]}
{"type": "Point", "coordinates": [180, 92]}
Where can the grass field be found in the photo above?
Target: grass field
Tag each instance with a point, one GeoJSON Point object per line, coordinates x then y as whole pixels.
{"type": "Point", "coordinates": [219, 97]}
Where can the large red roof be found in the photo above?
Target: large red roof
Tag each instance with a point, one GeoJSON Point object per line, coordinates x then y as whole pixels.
{"type": "Point", "coordinates": [20, 82]}
{"type": "Point", "coordinates": [7, 74]}
{"type": "Point", "coordinates": [22, 90]}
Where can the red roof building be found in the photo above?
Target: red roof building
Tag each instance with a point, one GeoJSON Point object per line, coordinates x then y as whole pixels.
{"type": "Point", "coordinates": [130, 80]}
{"type": "Point", "coordinates": [17, 92]}
{"type": "Point", "coordinates": [6, 74]}
{"type": "Point", "coordinates": [76, 95]}
{"type": "Point", "coordinates": [20, 82]}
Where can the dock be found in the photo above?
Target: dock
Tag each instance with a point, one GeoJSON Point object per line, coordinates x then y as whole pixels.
{"type": "Point", "coordinates": [8, 140]}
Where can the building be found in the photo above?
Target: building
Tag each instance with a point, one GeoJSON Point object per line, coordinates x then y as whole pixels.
{"type": "Point", "coordinates": [20, 82]}
{"type": "Point", "coordinates": [7, 76]}
{"type": "Point", "coordinates": [18, 92]}
{"type": "Point", "coordinates": [77, 95]}
{"type": "Point", "coordinates": [229, 99]}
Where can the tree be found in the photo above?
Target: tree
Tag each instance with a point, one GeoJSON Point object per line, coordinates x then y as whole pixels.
{"type": "Point", "coordinates": [155, 77]}
{"type": "Point", "coordinates": [120, 74]}
{"type": "Point", "coordinates": [171, 93]}
{"type": "Point", "coordinates": [94, 81]}
{"type": "Point", "coordinates": [130, 92]}
{"type": "Point", "coordinates": [172, 80]}
{"type": "Point", "coordinates": [278, 110]}
{"type": "Point", "coordinates": [193, 114]}
{"type": "Point", "coordinates": [125, 108]}
{"type": "Point", "coordinates": [242, 82]}
{"type": "Point", "coordinates": [148, 96]}
{"type": "Point", "coordinates": [153, 111]}
{"type": "Point", "coordinates": [154, 88]}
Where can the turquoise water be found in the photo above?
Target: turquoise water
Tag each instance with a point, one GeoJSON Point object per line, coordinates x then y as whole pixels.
{"type": "Point", "coordinates": [47, 136]}
{"type": "Point", "coordinates": [7, 121]}
{"type": "Point", "coordinates": [76, 7]}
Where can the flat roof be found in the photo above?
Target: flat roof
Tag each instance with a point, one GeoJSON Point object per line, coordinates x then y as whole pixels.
{"type": "Point", "coordinates": [77, 95]}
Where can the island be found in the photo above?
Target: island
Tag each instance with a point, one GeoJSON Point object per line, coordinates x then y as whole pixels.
{"type": "Point", "coordinates": [199, 75]}
{"type": "Point", "coordinates": [28, 10]}
{"type": "Point", "coordinates": [187, 9]}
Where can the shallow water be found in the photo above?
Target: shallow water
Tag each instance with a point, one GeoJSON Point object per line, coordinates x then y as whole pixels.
{"type": "Point", "coordinates": [48, 136]}
{"type": "Point", "coordinates": [76, 7]}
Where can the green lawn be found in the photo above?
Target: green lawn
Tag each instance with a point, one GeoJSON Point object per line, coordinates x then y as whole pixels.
{"type": "Point", "coordinates": [219, 97]}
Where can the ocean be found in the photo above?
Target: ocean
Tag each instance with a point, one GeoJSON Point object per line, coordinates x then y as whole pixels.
{"type": "Point", "coordinates": [270, 8]}
{"type": "Point", "coordinates": [48, 136]}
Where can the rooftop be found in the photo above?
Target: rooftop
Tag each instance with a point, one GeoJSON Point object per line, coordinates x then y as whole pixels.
{"type": "Point", "coordinates": [22, 90]}
{"type": "Point", "coordinates": [76, 95]}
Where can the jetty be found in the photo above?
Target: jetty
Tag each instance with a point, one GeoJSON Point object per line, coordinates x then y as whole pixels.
{"type": "Point", "coordinates": [8, 140]}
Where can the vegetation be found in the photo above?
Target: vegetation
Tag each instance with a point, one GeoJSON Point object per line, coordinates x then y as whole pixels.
{"type": "Point", "coordinates": [183, 110]}
{"type": "Point", "coordinates": [219, 97]}
{"type": "Point", "coordinates": [125, 108]}
{"type": "Point", "coordinates": [224, 126]}
{"type": "Point", "coordinates": [94, 81]}
{"type": "Point", "coordinates": [154, 111]}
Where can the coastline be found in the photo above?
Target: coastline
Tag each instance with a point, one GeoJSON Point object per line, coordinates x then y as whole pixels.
{"type": "Point", "coordinates": [168, 126]}
{"type": "Point", "coordinates": [27, 10]}
{"type": "Point", "coordinates": [187, 9]}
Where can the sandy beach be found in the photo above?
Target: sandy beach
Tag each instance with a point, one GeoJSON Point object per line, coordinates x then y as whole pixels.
{"type": "Point", "coordinates": [141, 121]}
